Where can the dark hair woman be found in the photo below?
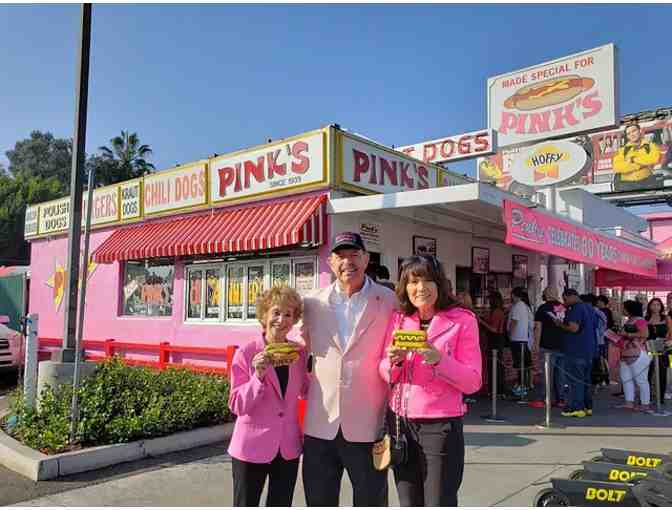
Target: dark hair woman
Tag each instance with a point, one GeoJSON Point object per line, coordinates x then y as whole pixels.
{"type": "Point", "coordinates": [634, 364]}
{"type": "Point", "coordinates": [660, 326]}
{"type": "Point", "coordinates": [428, 384]}
{"type": "Point", "coordinates": [494, 325]}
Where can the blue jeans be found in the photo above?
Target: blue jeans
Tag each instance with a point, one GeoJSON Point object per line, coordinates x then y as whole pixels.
{"type": "Point", "coordinates": [578, 379]}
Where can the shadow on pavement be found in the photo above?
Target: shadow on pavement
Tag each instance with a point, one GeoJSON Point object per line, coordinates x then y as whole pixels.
{"type": "Point", "coordinates": [15, 488]}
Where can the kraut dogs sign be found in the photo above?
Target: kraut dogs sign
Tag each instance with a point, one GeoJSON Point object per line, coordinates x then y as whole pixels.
{"type": "Point", "coordinates": [566, 96]}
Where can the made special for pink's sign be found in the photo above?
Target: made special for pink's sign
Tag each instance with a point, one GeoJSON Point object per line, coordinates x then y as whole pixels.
{"type": "Point", "coordinates": [541, 232]}
{"type": "Point", "coordinates": [569, 95]}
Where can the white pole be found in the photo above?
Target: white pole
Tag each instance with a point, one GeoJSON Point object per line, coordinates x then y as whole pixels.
{"type": "Point", "coordinates": [30, 363]}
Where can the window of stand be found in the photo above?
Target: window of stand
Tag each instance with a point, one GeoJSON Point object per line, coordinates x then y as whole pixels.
{"type": "Point", "coordinates": [228, 292]}
{"type": "Point", "coordinates": [148, 288]}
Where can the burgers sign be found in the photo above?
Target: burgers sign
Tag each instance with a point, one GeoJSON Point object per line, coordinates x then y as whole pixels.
{"type": "Point", "coordinates": [566, 96]}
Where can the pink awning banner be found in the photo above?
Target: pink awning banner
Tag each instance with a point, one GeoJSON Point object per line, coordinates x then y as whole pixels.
{"type": "Point", "coordinates": [545, 233]}
{"type": "Point", "coordinates": [611, 279]}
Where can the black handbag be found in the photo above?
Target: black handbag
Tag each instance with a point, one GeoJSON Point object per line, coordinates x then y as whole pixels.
{"type": "Point", "coordinates": [392, 449]}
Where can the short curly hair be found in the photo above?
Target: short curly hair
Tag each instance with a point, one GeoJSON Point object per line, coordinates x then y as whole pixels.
{"type": "Point", "coordinates": [279, 296]}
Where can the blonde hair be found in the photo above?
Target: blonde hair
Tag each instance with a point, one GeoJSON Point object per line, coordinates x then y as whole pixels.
{"type": "Point", "coordinates": [551, 293]}
{"type": "Point", "coordinates": [282, 296]}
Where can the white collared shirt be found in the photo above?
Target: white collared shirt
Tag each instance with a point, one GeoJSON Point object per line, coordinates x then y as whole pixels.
{"type": "Point", "coordinates": [348, 310]}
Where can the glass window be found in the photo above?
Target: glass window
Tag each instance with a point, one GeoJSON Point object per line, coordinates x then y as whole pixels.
{"type": "Point", "coordinates": [235, 283]}
{"type": "Point", "coordinates": [195, 296]}
{"type": "Point", "coordinates": [229, 291]}
{"type": "Point", "coordinates": [148, 288]}
{"type": "Point", "coordinates": [304, 275]}
{"type": "Point", "coordinates": [255, 287]}
{"type": "Point", "coordinates": [213, 293]}
{"type": "Point", "coordinates": [280, 273]}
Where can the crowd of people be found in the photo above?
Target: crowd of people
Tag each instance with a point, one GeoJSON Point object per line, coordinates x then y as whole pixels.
{"type": "Point", "coordinates": [586, 345]}
{"type": "Point", "coordinates": [370, 406]}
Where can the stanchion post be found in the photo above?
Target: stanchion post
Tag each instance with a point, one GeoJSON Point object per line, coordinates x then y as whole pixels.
{"type": "Point", "coordinates": [522, 365]}
{"type": "Point", "coordinates": [656, 369]}
{"type": "Point", "coordinates": [493, 388]}
{"type": "Point", "coordinates": [547, 382]}
{"type": "Point", "coordinates": [547, 401]}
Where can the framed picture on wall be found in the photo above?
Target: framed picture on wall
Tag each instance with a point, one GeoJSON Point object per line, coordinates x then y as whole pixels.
{"type": "Point", "coordinates": [520, 267]}
{"type": "Point", "coordinates": [480, 260]}
{"type": "Point", "coordinates": [424, 245]}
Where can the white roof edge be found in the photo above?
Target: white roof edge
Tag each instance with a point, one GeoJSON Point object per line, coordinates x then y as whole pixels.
{"type": "Point", "coordinates": [415, 198]}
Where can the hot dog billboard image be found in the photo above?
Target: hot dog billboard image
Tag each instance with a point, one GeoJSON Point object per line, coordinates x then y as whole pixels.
{"type": "Point", "coordinates": [574, 94]}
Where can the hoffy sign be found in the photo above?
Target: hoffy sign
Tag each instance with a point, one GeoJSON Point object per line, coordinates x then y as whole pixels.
{"type": "Point", "coordinates": [569, 95]}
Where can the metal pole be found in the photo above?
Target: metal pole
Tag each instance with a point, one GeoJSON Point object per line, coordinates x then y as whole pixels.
{"type": "Point", "coordinates": [493, 386]}
{"type": "Point", "coordinates": [493, 418]}
{"type": "Point", "coordinates": [547, 381]}
{"type": "Point", "coordinates": [30, 366]}
{"type": "Point", "coordinates": [74, 409]}
{"type": "Point", "coordinates": [67, 353]}
{"type": "Point", "coordinates": [522, 365]}
{"type": "Point", "coordinates": [656, 370]}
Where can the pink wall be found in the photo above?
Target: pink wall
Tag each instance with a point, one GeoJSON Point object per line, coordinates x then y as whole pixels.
{"type": "Point", "coordinates": [660, 225]}
{"type": "Point", "coordinates": [102, 319]}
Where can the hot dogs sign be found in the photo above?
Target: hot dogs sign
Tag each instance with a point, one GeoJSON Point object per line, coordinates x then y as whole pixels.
{"type": "Point", "coordinates": [569, 95]}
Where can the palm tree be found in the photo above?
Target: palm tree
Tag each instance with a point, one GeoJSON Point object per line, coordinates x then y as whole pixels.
{"type": "Point", "coordinates": [128, 155]}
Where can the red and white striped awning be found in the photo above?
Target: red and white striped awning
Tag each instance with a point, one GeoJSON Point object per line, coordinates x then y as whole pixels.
{"type": "Point", "coordinates": [249, 228]}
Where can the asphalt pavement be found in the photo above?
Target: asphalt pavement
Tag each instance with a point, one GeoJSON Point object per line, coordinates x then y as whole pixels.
{"type": "Point", "coordinates": [504, 463]}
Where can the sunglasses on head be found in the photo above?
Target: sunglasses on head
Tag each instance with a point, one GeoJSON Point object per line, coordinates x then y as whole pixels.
{"type": "Point", "coordinates": [415, 259]}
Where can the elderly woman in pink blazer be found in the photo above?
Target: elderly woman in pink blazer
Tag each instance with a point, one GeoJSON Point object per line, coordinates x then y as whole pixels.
{"type": "Point", "coordinates": [428, 384]}
{"type": "Point", "coordinates": [267, 441]}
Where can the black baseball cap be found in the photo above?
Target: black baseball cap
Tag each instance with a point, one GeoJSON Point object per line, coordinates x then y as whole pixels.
{"type": "Point", "coordinates": [570, 292]}
{"type": "Point", "coordinates": [348, 240]}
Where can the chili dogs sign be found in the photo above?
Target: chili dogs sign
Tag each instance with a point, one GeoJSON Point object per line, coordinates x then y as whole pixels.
{"type": "Point", "coordinates": [453, 148]}
{"type": "Point", "coordinates": [569, 95]}
{"type": "Point", "coordinates": [290, 164]}
{"type": "Point", "coordinates": [175, 189]}
{"type": "Point", "coordinates": [541, 232]}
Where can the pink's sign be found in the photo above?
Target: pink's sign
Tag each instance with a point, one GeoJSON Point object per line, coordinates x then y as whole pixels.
{"type": "Point", "coordinates": [538, 231]}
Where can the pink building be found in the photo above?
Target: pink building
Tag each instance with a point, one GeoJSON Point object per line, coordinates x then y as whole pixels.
{"type": "Point", "coordinates": [180, 256]}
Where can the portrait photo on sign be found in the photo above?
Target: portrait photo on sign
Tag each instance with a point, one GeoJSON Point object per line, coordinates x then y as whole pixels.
{"type": "Point", "coordinates": [480, 260]}
{"type": "Point", "coordinates": [520, 267]}
{"type": "Point", "coordinates": [424, 245]}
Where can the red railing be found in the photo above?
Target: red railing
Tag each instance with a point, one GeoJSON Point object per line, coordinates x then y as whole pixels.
{"type": "Point", "coordinates": [162, 350]}
{"type": "Point", "coordinates": [110, 347]}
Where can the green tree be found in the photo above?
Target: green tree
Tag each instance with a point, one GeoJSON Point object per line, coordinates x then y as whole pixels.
{"type": "Point", "coordinates": [42, 156]}
{"type": "Point", "coordinates": [126, 159]}
{"type": "Point", "coordinates": [15, 194]}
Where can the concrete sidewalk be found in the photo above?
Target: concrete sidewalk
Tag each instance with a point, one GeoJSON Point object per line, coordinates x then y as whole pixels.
{"type": "Point", "coordinates": [503, 463]}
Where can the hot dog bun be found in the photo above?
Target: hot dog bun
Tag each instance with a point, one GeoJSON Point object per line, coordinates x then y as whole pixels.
{"type": "Point", "coordinates": [409, 339]}
{"type": "Point", "coordinates": [283, 353]}
{"type": "Point", "coordinates": [548, 92]}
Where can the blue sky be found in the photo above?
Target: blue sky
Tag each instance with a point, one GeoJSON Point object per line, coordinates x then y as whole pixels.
{"type": "Point", "coordinates": [195, 80]}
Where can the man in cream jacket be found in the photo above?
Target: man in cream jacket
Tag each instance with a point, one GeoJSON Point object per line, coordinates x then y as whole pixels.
{"type": "Point", "coordinates": [344, 329]}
